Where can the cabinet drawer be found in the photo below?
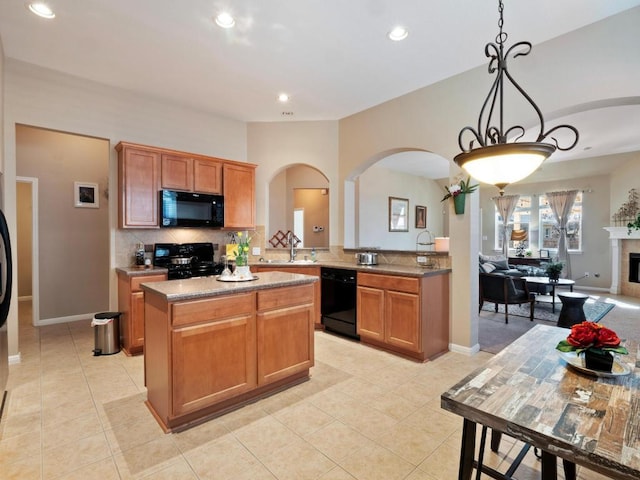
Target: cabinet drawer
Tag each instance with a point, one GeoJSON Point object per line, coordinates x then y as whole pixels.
{"type": "Point", "coordinates": [284, 297]}
{"type": "Point", "coordinates": [212, 309]}
{"type": "Point", "coordinates": [136, 281]}
{"type": "Point", "coordinates": [389, 282]}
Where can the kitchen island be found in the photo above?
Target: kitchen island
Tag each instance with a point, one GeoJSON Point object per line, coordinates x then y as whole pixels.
{"type": "Point", "coordinates": [212, 346]}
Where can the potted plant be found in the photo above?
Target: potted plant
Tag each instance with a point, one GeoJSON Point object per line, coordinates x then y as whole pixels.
{"type": "Point", "coordinates": [633, 225]}
{"type": "Point", "coordinates": [553, 270]}
{"type": "Point", "coordinates": [596, 342]}
{"type": "Point", "coordinates": [458, 192]}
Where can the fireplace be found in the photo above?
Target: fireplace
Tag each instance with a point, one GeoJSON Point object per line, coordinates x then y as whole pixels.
{"type": "Point", "coordinates": [634, 263]}
{"type": "Point", "coordinates": [625, 261]}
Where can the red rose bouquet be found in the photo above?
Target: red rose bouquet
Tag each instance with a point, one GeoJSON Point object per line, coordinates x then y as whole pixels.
{"type": "Point", "coordinates": [591, 336]}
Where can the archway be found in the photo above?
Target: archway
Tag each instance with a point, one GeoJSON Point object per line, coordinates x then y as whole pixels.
{"type": "Point", "coordinates": [413, 173]}
{"type": "Point", "coordinates": [301, 188]}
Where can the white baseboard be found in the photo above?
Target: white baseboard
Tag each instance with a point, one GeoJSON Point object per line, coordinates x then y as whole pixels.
{"type": "Point", "coordinates": [469, 351]}
{"type": "Point", "coordinates": [592, 289]}
{"type": "Point", "coordinates": [70, 318]}
{"type": "Point", "coordinates": [15, 359]}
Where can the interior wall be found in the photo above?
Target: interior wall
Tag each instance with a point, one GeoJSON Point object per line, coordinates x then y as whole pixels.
{"type": "Point", "coordinates": [315, 204]}
{"type": "Point", "coordinates": [25, 239]}
{"type": "Point", "coordinates": [303, 176]}
{"type": "Point", "coordinates": [595, 256]}
{"type": "Point", "coordinates": [274, 146]}
{"type": "Point", "coordinates": [375, 186]}
{"type": "Point", "coordinates": [423, 119]}
{"type": "Point", "coordinates": [74, 240]}
{"type": "Point", "coordinates": [282, 203]}
{"type": "Point", "coordinates": [278, 212]}
{"type": "Point", "coordinates": [44, 98]}
{"type": "Point", "coordinates": [623, 179]}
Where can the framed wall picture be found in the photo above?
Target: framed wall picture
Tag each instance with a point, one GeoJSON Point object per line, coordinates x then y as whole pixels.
{"type": "Point", "coordinates": [86, 195]}
{"type": "Point", "coordinates": [398, 214]}
{"type": "Point", "coordinates": [421, 216]}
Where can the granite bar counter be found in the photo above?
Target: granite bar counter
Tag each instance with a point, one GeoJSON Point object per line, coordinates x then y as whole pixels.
{"type": "Point", "coordinates": [139, 271]}
{"type": "Point", "coordinates": [202, 287]}
{"type": "Point", "coordinates": [384, 268]}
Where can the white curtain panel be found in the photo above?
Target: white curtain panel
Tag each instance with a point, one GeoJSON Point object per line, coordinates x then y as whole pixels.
{"type": "Point", "coordinates": [506, 205]}
{"type": "Point", "coordinates": [561, 204]}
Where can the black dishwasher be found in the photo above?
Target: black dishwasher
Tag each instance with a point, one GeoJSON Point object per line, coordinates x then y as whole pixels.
{"type": "Point", "coordinates": [338, 305]}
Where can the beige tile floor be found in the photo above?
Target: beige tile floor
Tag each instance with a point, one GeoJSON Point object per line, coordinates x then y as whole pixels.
{"type": "Point", "coordinates": [365, 414]}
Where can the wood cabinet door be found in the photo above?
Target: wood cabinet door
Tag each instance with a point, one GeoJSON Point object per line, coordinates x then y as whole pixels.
{"type": "Point", "coordinates": [136, 321]}
{"type": "Point", "coordinates": [285, 342]}
{"type": "Point", "coordinates": [315, 271]}
{"type": "Point", "coordinates": [207, 176]}
{"type": "Point", "coordinates": [212, 362]}
{"type": "Point", "coordinates": [139, 184]}
{"type": "Point", "coordinates": [177, 172]}
{"type": "Point", "coordinates": [370, 308]}
{"type": "Point", "coordinates": [239, 185]}
{"type": "Point", "coordinates": [402, 320]}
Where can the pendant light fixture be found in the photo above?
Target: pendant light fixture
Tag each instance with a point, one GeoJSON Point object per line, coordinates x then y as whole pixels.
{"type": "Point", "coordinates": [495, 161]}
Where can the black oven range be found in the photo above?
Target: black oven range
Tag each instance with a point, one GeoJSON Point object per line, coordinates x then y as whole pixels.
{"type": "Point", "coordinates": [186, 260]}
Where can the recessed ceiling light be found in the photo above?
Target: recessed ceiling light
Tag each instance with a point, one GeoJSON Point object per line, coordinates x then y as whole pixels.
{"type": "Point", "coordinates": [41, 9]}
{"type": "Point", "coordinates": [283, 97]}
{"type": "Point", "coordinates": [398, 33]}
{"type": "Point", "coordinates": [225, 20]}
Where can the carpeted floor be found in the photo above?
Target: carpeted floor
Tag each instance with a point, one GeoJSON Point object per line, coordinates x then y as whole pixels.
{"type": "Point", "coordinates": [494, 334]}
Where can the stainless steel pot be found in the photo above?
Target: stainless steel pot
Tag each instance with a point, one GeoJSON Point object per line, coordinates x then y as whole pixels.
{"type": "Point", "coordinates": [367, 258]}
{"type": "Point", "coordinates": [181, 260]}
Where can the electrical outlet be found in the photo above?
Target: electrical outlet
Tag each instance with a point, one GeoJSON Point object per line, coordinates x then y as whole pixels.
{"type": "Point", "coordinates": [422, 259]}
{"type": "Point", "coordinates": [586, 274]}
{"type": "Point", "coordinates": [255, 251]}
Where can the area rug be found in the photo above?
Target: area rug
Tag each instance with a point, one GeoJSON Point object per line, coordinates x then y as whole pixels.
{"type": "Point", "coordinates": [494, 334]}
{"type": "Point", "coordinates": [593, 310]}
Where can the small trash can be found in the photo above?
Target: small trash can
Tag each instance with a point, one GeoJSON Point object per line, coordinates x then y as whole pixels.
{"type": "Point", "coordinates": [106, 333]}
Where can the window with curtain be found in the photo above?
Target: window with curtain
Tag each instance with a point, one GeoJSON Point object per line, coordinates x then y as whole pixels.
{"type": "Point", "coordinates": [549, 232]}
{"type": "Point", "coordinates": [520, 219]}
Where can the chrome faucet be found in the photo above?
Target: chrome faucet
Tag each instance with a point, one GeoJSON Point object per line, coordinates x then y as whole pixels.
{"type": "Point", "coordinates": [292, 249]}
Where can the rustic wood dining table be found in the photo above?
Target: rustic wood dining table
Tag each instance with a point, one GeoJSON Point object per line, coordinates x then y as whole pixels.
{"type": "Point", "coordinates": [529, 392]}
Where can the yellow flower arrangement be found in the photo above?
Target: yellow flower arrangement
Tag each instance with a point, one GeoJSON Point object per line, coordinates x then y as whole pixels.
{"type": "Point", "coordinates": [242, 257]}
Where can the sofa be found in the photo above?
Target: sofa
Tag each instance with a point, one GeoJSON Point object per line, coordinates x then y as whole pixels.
{"type": "Point", "coordinates": [498, 264]}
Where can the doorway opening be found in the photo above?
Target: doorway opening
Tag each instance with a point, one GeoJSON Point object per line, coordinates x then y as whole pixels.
{"type": "Point", "coordinates": [27, 247]}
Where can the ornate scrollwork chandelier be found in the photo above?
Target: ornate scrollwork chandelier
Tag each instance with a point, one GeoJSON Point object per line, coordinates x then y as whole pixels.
{"type": "Point", "coordinates": [496, 161]}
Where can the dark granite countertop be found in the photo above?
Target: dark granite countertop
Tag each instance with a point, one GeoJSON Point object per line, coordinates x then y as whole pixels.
{"type": "Point", "coordinates": [386, 269]}
{"type": "Point", "coordinates": [203, 287]}
{"type": "Point", "coordinates": [135, 271]}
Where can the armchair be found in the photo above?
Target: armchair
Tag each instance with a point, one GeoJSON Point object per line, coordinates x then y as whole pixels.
{"type": "Point", "coordinates": [505, 290]}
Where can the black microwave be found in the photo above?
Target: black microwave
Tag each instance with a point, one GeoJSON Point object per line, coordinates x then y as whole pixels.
{"type": "Point", "coordinates": [188, 209]}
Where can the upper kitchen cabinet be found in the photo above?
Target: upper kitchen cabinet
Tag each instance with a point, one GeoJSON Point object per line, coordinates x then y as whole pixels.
{"type": "Point", "coordinates": [138, 185]}
{"type": "Point", "coordinates": [239, 187]}
{"type": "Point", "coordinates": [203, 175]}
{"type": "Point", "coordinates": [143, 171]}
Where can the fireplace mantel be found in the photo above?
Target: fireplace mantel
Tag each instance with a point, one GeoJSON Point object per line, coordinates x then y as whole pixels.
{"type": "Point", "coordinates": [617, 235]}
{"type": "Point", "coordinates": [622, 233]}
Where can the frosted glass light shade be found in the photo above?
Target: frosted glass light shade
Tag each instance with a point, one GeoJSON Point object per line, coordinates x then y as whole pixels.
{"type": "Point", "coordinates": [504, 163]}
{"type": "Point", "coordinates": [442, 244]}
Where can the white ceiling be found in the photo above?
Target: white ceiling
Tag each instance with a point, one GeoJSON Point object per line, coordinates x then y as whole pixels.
{"type": "Point", "coordinates": [331, 56]}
